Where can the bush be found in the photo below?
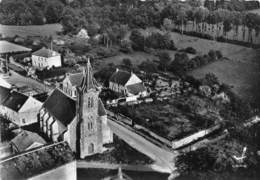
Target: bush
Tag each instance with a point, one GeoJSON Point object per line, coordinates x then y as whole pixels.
{"type": "Point", "coordinates": [106, 52]}
{"type": "Point", "coordinates": [219, 54]}
{"type": "Point", "coordinates": [190, 50]}
{"type": "Point", "coordinates": [126, 46]}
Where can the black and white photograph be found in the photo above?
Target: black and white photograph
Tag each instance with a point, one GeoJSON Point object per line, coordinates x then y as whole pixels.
{"type": "Point", "coordinates": [130, 89]}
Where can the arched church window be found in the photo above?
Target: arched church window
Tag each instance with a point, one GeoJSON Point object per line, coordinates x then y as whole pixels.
{"type": "Point", "coordinates": [92, 101]}
{"type": "Point", "coordinates": [89, 102]}
{"type": "Point", "coordinates": [91, 148]}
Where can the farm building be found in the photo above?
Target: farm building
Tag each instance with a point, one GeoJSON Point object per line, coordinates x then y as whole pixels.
{"type": "Point", "coordinates": [127, 84]}
{"type": "Point", "coordinates": [18, 108]}
{"type": "Point", "coordinates": [26, 140]}
{"type": "Point", "coordinates": [46, 58]}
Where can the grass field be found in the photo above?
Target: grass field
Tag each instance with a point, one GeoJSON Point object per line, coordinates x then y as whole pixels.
{"type": "Point", "coordinates": [234, 52]}
{"type": "Point", "coordinates": [242, 70]}
{"type": "Point", "coordinates": [244, 77]}
{"type": "Point", "coordinates": [257, 11]}
{"type": "Point", "coordinates": [136, 59]}
{"type": "Point", "coordinates": [34, 30]}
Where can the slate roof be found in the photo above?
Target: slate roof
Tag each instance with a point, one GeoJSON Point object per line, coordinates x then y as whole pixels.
{"type": "Point", "coordinates": [120, 77]}
{"type": "Point", "coordinates": [61, 106]}
{"type": "Point", "coordinates": [15, 101]}
{"type": "Point", "coordinates": [36, 161]}
{"type": "Point", "coordinates": [136, 88]}
{"type": "Point", "coordinates": [44, 52]}
{"type": "Point", "coordinates": [7, 47]}
{"type": "Point", "coordinates": [76, 79]}
{"type": "Point", "coordinates": [84, 79]}
{"type": "Point", "coordinates": [4, 93]}
{"type": "Point", "coordinates": [25, 139]}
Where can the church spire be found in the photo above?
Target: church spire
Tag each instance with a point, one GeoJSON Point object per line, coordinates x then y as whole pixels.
{"type": "Point", "coordinates": [87, 82]}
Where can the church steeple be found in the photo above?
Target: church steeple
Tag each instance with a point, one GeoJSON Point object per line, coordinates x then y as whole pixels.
{"type": "Point", "coordinates": [88, 80]}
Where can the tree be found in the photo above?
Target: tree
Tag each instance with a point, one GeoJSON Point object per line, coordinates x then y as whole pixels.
{"type": "Point", "coordinates": [180, 63]}
{"type": "Point", "coordinates": [148, 67]}
{"type": "Point", "coordinates": [53, 11]}
{"type": "Point", "coordinates": [164, 60]}
{"type": "Point", "coordinates": [210, 79]}
{"type": "Point", "coordinates": [127, 63]}
{"type": "Point", "coordinates": [138, 40]}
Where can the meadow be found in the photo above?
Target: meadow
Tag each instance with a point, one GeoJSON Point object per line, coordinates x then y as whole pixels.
{"type": "Point", "coordinates": [33, 30]}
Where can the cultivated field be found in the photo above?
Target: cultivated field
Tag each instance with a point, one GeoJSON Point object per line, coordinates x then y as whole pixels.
{"type": "Point", "coordinates": [34, 30]}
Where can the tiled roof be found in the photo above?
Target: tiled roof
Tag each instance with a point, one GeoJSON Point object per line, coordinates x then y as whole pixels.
{"type": "Point", "coordinates": [101, 108]}
{"type": "Point", "coordinates": [7, 47]}
{"type": "Point", "coordinates": [61, 106]}
{"type": "Point", "coordinates": [43, 52]}
{"type": "Point", "coordinates": [15, 101]}
{"type": "Point", "coordinates": [136, 88]}
{"type": "Point", "coordinates": [36, 161]}
{"type": "Point", "coordinates": [120, 77]}
{"type": "Point", "coordinates": [4, 93]}
{"type": "Point", "coordinates": [25, 139]}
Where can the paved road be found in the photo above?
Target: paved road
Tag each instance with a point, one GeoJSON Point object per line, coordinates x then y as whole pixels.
{"type": "Point", "coordinates": [164, 159]}
{"type": "Point", "coordinates": [19, 80]}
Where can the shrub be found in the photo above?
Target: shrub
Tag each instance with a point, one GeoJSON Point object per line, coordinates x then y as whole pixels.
{"type": "Point", "coordinates": [126, 46]}
{"type": "Point", "coordinates": [190, 50]}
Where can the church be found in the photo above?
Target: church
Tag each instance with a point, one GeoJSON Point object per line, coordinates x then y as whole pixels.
{"type": "Point", "coordinates": [81, 121]}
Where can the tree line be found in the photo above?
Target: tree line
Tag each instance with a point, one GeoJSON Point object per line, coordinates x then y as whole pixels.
{"type": "Point", "coordinates": [105, 16]}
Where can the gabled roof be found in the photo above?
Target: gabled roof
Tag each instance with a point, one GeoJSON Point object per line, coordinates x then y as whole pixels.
{"type": "Point", "coordinates": [43, 52]}
{"type": "Point", "coordinates": [15, 101]}
{"type": "Point", "coordinates": [4, 83]}
{"type": "Point", "coordinates": [136, 88]}
{"type": "Point", "coordinates": [7, 47]}
{"type": "Point", "coordinates": [4, 93]}
{"type": "Point", "coordinates": [61, 106]}
{"type": "Point", "coordinates": [120, 77]}
{"type": "Point", "coordinates": [101, 108]}
{"type": "Point", "coordinates": [76, 78]}
{"type": "Point", "coordinates": [36, 161]}
{"type": "Point", "coordinates": [25, 139]}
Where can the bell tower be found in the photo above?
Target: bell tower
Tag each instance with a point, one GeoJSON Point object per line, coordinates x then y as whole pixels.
{"type": "Point", "coordinates": [89, 130]}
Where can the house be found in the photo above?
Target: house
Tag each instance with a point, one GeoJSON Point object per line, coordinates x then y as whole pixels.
{"type": "Point", "coordinates": [127, 84]}
{"type": "Point", "coordinates": [20, 109]}
{"type": "Point", "coordinates": [81, 121]}
{"type": "Point", "coordinates": [55, 161]}
{"type": "Point", "coordinates": [161, 84]}
{"type": "Point", "coordinates": [26, 140]}
{"type": "Point", "coordinates": [71, 82]}
{"type": "Point", "coordinates": [83, 34]}
{"type": "Point", "coordinates": [205, 90]}
{"type": "Point", "coordinates": [46, 58]}
{"type": "Point", "coordinates": [221, 96]}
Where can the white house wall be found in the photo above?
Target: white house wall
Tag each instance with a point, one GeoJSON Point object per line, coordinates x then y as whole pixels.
{"type": "Point", "coordinates": [70, 135]}
{"type": "Point", "coordinates": [42, 62]}
{"type": "Point", "coordinates": [31, 103]}
{"type": "Point", "coordinates": [133, 80]}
